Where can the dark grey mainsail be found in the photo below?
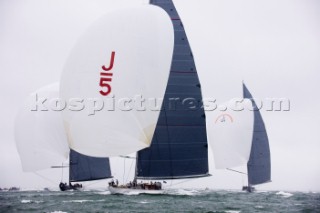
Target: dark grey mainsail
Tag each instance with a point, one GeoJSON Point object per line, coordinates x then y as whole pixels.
{"type": "Point", "coordinates": [259, 164]}
{"type": "Point", "coordinates": [179, 145]}
{"type": "Point", "coordinates": [85, 168]}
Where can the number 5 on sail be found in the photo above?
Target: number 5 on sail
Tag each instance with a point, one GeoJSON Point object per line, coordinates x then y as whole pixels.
{"type": "Point", "coordinates": [104, 80]}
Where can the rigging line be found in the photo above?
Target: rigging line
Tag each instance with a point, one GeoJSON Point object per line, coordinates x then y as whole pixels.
{"type": "Point", "coordinates": [124, 171]}
{"type": "Point", "coordinates": [129, 171]}
{"type": "Point", "coordinates": [135, 169]}
{"type": "Point", "coordinates": [70, 163]}
{"type": "Point", "coordinates": [62, 172]}
{"type": "Point", "coordinates": [242, 180]}
{"type": "Point", "coordinates": [237, 171]}
{"type": "Point", "coordinates": [180, 182]}
{"type": "Point", "coordinates": [47, 179]}
{"type": "Point", "coordinates": [125, 156]}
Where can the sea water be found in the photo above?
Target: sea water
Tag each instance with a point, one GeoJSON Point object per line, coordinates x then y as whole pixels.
{"type": "Point", "coordinates": [174, 201]}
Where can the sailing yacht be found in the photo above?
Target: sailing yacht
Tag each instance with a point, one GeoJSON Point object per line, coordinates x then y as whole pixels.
{"type": "Point", "coordinates": [42, 142]}
{"type": "Point", "coordinates": [259, 164]}
{"type": "Point", "coordinates": [238, 137]}
{"type": "Point", "coordinates": [179, 147]}
{"type": "Point", "coordinates": [140, 45]}
{"type": "Point", "coordinates": [134, 59]}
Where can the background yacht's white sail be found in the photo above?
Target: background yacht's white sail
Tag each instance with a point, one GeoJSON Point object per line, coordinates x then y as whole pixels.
{"type": "Point", "coordinates": [230, 133]}
{"type": "Point", "coordinates": [125, 54]}
{"type": "Point", "coordinates": [42, 142]}
{"type": "Point", "coordinates": [39, 133]}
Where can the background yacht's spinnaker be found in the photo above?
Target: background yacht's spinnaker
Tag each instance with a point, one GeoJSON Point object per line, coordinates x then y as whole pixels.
{"type": "Point", "coordinates": [39, 134]}
{"type": "Point", "coordinates": [230, 133]}
{"type": "Point", "coordinates": [42, 142]}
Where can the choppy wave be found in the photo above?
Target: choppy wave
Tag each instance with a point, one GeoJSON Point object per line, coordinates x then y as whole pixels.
{"type": "Point", "coordinates": [284, 194]}
{"type": "Point", "coordinates": [77, 201]}
{"type": "Point", "coordinates": [103, 193]}
{"type": "Point", "coordinates": [58, 212]}
{"type": "Point", "coordinates": [31, 201]}
{"type": "Point", "coordinates": [26, 201]}
{"type": "Point", "coordinates": [144, 202]}
{"type": "Point", "coordinates": [188, 192]}
{"type": "Point", "coordinates": [177, 200]}
{"type": "Point", "coordinates": [82, 201]}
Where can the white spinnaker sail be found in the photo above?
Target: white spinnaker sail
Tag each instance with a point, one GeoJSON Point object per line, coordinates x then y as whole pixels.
{"type": "Point", "coordinates": [230, 133]}
{"type": "Point", "coordinates": [39, 132]}
{"type": "Point", "coordinates": [135, 45]}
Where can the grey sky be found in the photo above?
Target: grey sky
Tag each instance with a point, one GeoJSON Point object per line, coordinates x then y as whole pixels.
{"type": "Point", "coordinates": [274, 46]}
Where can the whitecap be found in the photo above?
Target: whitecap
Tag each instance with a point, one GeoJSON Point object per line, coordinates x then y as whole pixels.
{"type": "Point", "coordinates": [133, 192]}
{"type": "Point", "coordinates": [261, 191]}
{"type": "Point", "coordinates": [58, 212]}
{"type": "Point", "coordinates": [77, 201]}
{"type": "Point", "coordinates": [284, 194]}
{"type": "Point", "coordinates": [232, 211]}
{"type": "Point", "coordinates": [103, 193]}
{"type": "Point", "coordinates": [31, 201]}
{"type": "Point", "coordinates": [189, 192]}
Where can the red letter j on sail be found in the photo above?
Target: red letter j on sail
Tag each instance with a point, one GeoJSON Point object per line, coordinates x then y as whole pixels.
{"type": "Point", "coordinates": [106, 76]}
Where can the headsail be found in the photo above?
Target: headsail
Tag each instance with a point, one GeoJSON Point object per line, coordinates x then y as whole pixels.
{"type": "Point", "coordinates": [179, 145]}
{"type": "Point", "coordinates": [259, 165]}
{"type": "Point", "coordinates": [39, 134]}
{"type": "Point", "coordinates": [124, 55]}
{"type": "Point", "coordinates": [84, 168]}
